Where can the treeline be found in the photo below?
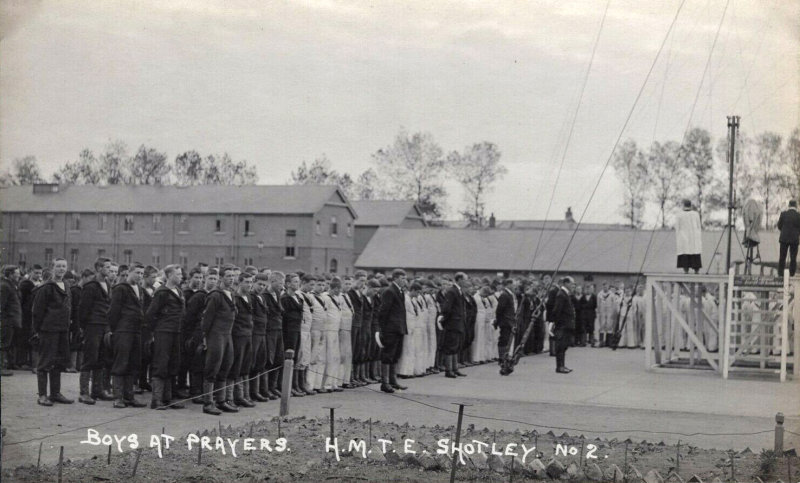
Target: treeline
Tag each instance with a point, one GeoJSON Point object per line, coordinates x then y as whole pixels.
{"type": "Point", "coordinates": [413, 167]}
{"type": "Point", "coordinates": [767, 169]}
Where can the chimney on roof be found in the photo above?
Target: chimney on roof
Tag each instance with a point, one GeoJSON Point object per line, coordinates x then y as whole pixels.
{"type": "Point", "coordinates": [44, 188]}
{"type": "Point", "coordinates": [492, 221]}
{"type": "Point", "coordinates": [568, 216]}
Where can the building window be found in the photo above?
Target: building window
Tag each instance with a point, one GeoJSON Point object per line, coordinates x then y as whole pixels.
{"type": "Point", "coordinates": [334, 265]}
{"type": "Point", "coordinates": [156, 259]}
{"type": "Point", "coordinates": [183, 224]}
{"type": "Point", "coordinates": [127, 257]}
{"type": "Point", "coordinates": [157, 223]}
{"type": "Point", "coordinates": [219, 225]}
{"type": "Point", "coordinates": [334, 227]}
{"type": "Point", "coordinates": [101, 221]}
{"type": "Point", "coordinates": [75, 222]}
{"type": "Point", "coordinates": [48, 255]}
{"type": "Point", "coordinates": [248, 260]}
{"type": "Point", "coordinates": [128, 224]}
{"type": "Point", "coordinates": [291, 243]}
{"type": "Point", "coordinates": [247, 226]}
{"type": "Point", "coordinates": [219, 260]}
{"type": "Point", "coordinates": [73, 258]}
{"type": "Point", "coordinates": [183, 259]}
{"type": "Point", "coordinates": [23, 258]}
{"type": "Point", "coordinates": [101, 252]}
{"type": "Point", "coordinates": [319, 228]}
{"type": "Point", "coordinates": [349, 229]}
{"type": "Point", "coordinates": [23, 222]}
{"type": "Point", "coordinates": [49, 222]}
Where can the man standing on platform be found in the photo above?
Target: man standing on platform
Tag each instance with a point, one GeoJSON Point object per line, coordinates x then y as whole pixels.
{"type": "Point", "coordinates": [125, 320]}
{"type": "Point", "coordinates": [689, 240]}
{"type": "Point", "coordinates": [393, 328]}
{"type": "Point", "coordinates": [789, 225]}
{"type": "Point", "coordinates": [50, 323]}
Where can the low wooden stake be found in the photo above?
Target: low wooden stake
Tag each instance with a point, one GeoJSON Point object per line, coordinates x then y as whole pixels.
{"type": "Point", "coordinates": [39, 459]}
{"type": "Point", "coordinates": [136, 463]}
{"type": "Point", "coordinates": [199, 450]}
{"type": "Point", "coordinates": [251, 430]}
{"type": "Point", "coordinates": [60, 463]}
{"type": "Point", "coordinates": [279, 427]}
{"type": "Point", "coordinates": [108, 459]}
{"type": "Point", "coordinates": [733, 466]}
{"type": "Point", "coordinates": [511, 476]}
{"type": "Point", "coordinates": [625, 465]}
{"type": "Point", "coordinates": [583, 441]}
{"type": "Point", "coordinates": [678, 460]}
{"type": "Point", "coordinates": [370, 432]}
{"type": "Point", "coordinates": [220, 428]}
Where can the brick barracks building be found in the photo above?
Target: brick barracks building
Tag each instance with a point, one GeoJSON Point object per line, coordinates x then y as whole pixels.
{"type": "Point", "coordinates": [308, 228]}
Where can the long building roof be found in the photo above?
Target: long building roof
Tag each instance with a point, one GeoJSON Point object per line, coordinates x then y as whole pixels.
{"type": "Point", "coordinates": [251, 199]}
{"type": "Point", "coordinates": [591, 251]}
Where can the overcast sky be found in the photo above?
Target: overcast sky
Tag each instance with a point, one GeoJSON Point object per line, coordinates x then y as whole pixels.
{"type": "Point", "coordinates": [278, 82]}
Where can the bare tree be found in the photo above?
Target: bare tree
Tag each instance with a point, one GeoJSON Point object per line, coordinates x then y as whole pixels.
{"type": "Point", "coordinates": [24, 171]}
{"type": "Point", "coordinates": [321, 172]}
{"type": "Point", "coordinates": [114, 162]}
{"type": "Point", "coordinates": [477, 169]}
{"type": "Point", "coordinates": [189, 169]}
{"type": "Point", "coordinates": [226, 171]}
{"type": "Point", "coordinates": [84, 170]}
{"type": "Point", "coordinates": [368, 186]}
{"type": "Point", "coordinates": [667, 177]}
{"type": "Point", "coordinates": [769, 171]}
{"type": "Point", "coordinates": [792, 156]}
{"type": "Point", "coordinates": [629, 164]}
{"type": "Point", "coordinates": [149, 166]}
{"type": "Point", "coordinates": [413, 167]}
{"type": "Point", "coordinates": [696, 156]}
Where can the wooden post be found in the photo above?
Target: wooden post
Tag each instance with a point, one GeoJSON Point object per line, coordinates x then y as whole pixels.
{"type": "Point", "coordinates": [796, 332]}
{"type": "Point", "coordinates": [692, 316]}
{"type": "Point", "coordinates": [785, 326]}
{"type": "Point", "coordinates": [723, 302]}
{"type": "Point", "coordinates": [725, 343]}
{"type": "Point", "coordinates": [648, 327]}
{"type": "Point", "coordinates": [286, 386]}
{"type": "Point", "coordinates": [136, 462]}
{"type": "Point", "coordinates": [60, 463]}
{"type": "Point", "coordinates": [658, 327]}
{"type": "Point", "coordinates": [669, 337]}
{"type": "Point", "coordinates": [458, 441]}
{"type": "Point", "coordinates": [779, 434]}
{"type": "Point", "coordinates": [199, 450]}
{"type": "Point", "coordinates": [39, 459]}
{"type": "Point", "coordinates": [108, 460]}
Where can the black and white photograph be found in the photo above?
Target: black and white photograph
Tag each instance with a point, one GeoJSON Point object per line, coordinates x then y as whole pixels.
{"type": "Point", "coordinates": [348, 240]}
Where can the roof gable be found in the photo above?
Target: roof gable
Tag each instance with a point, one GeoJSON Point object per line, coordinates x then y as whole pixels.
{"type": "Point", "coordinates": [385, 212]}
